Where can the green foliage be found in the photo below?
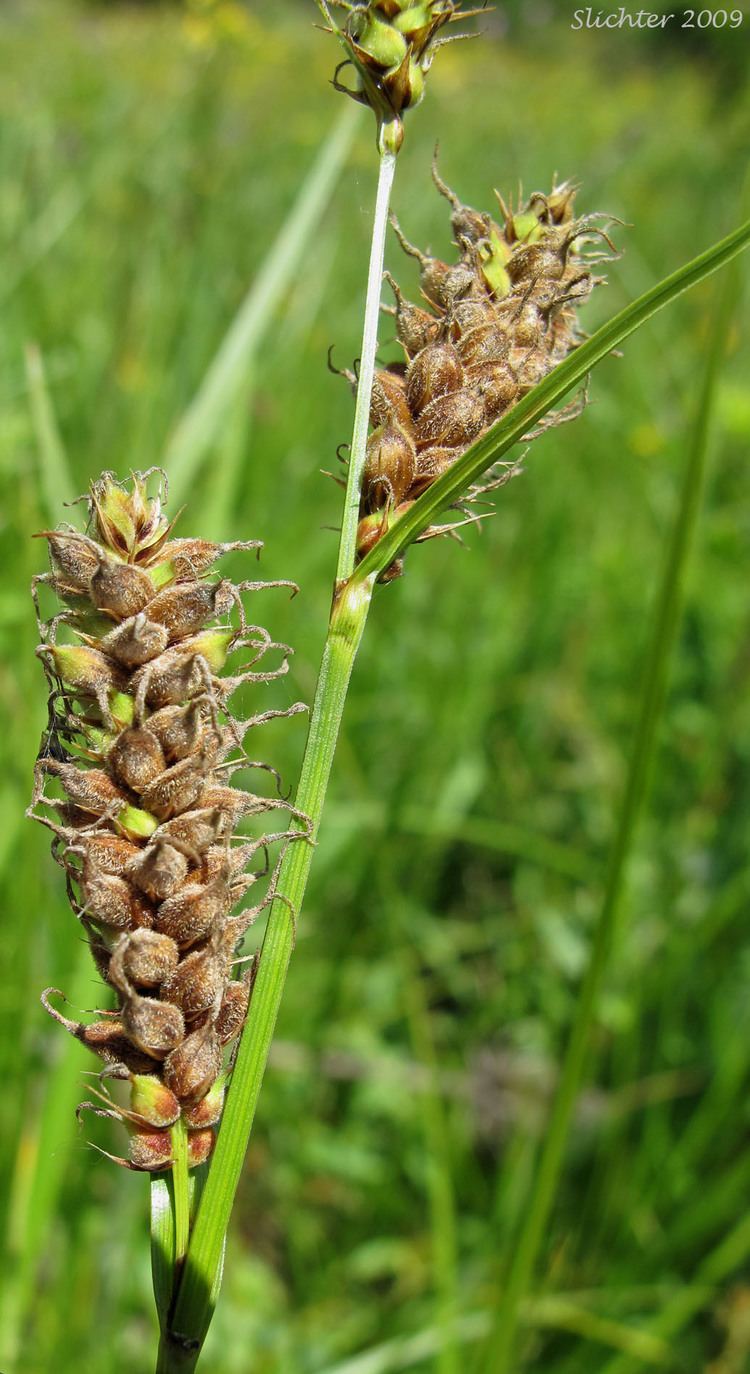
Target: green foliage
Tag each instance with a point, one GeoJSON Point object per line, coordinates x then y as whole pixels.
{"type": "Point", "coordinates": [460, 870]}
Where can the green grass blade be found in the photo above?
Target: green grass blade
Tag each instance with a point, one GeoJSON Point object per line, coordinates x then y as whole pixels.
{"type": "Point", "coordinates": [55, 219]}
{"type": "Point", "coordinates": [559, 1313]}
{"type": "Point", "coordinates": [201, 1276]}
{"type": "Point", "coordinates": [729, 1256]}
{"type": "Point", "coordinates": [665, 625]}
{"type": "Point", "coordinates": [408, 1352]}
{"type": "Point", "coordinates": [39, 1174]}
{"type": "Point", "coordinates": [162, 1245]}
{"type": "Point", "coordinates": [440, 1185]}
{"type": "Point", "coordinates": [204, 418]}
{"type": "Point", "coordinates": [513, 426]}
{"type": "Point", "coordinates": [55, 482]}
{"type": "Point", "coordinates": [502, 838]}
{"type": "Point", "coordinates": [221, 496]}
{"type": "Point", "coordinates": [180, 1190]}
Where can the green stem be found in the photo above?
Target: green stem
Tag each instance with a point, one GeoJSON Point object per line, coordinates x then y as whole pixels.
{"type": "Point", "coordinates": [174, 1358]}
{"type": "Point", "coordinates": [196, 1296]}
{"type": "Point", "coordinates": [181, 1184]}
{"type": "Point", "coordinates": [350, 518]}
{"type": "Point", "coordinates": [664, 630]}
{"type": "Point", "coordinates": [162, 1244]}
{"type": "Point", "coordinates": [170, 1232]}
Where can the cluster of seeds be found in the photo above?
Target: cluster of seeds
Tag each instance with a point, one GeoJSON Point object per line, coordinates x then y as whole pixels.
{"type": "Point", "coordinates": [492, 325]}
{"type": "Point", "coordinates": [141, 744]}
{"type": "Point", "coordinates": [390, 44]}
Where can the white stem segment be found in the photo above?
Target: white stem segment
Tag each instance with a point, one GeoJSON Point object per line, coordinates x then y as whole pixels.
{"type": "Point", "coordinates": [348, 543]}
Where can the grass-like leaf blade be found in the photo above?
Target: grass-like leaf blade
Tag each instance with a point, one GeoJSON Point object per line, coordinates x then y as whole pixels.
{"type": "Point", "coordinates": [204, 419]}
{"type": "Point", "coordinates": [55, 482]}
{"type": "Point", "coordinates": [666, 619]}
{"type": "Point", "coordinates": [162, 1245]}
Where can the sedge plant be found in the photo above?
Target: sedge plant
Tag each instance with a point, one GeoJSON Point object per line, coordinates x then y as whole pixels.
{"type": "Point", "coordinates": [134, 777]}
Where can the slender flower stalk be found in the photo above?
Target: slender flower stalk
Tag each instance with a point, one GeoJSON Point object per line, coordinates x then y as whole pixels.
{"type": "Point", "coordinates": [358, 449]}
{"type": "Point", "coordinates": [196, 1294]}
{"type": "Point", "coordinates": [197, 1288]}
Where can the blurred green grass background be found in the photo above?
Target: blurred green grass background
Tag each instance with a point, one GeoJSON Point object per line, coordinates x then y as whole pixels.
{"type": "Point", "coordinates": [148, 159]}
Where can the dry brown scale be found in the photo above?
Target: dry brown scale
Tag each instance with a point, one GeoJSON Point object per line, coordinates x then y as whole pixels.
{"type": "Point", "coordinates": [141, 743]}
{"type": "Point", "coordinates": [492, 325]}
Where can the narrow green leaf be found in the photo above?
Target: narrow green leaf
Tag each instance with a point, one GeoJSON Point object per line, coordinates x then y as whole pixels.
{"type": "Point", "coordinates": [221, 496]}
{"type": "Point", "coordinates": [410, 1351]}
{"type": "Point", "coordinates": [502, 837]}
{"type": "Point", "coordinates": [41, 1161]}
{"type": "Point", "coordinates": [516, 423]}
{"type": "Point", "coordinates": [729, 1257]}
{"type": "Point", "coordinates": [204, 419]}
{"type": "Point", "coordinates": [162, 1245]}
{"type": "Point", "coordinates": [180, 1190]}
{"type": "Point", "coordinates": [553, 1313]}
{"type": "Point", "coordinates": [202, 1271]}
{"type": "Point", "coordinates": [655, 676]}
{"type": "Point", "coordinates": [440, 1183]}
{"type": "Point", "coordinates": [56, 483]}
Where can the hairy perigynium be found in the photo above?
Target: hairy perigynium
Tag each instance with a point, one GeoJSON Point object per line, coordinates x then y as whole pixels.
{"type": "Point", "coordinates": [492, 325]}
{"type": "Point", "coordinates": [142, 743]}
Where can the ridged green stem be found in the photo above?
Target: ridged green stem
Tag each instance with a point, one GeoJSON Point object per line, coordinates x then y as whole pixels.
{"type": "Point", "coordinates": [199, 1283]}
{"type": "Point", "coordinates": [194, 1305]}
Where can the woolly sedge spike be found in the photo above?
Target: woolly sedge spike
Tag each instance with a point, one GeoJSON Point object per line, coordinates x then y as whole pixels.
{"type": "Point", "coordinates": [390, 45]}
{"type": "Point", "coordinates": [132, 781]}
{"type": "Point", "coordinates": [493, 325]}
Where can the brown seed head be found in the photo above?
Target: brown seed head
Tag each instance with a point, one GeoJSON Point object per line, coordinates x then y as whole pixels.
{"type": "Point", "coordinates": [502, 316]}
{"type": "Point", "coordinates": [194, 1065]}
{"type": "Point", "coordinates": [120, 589]}
{"type": "Point", "coordinates": [389, 466]}
{"type": "Point", "coordinates": [139, 734]}
{"type": "Point", "coordinates": [435, 371]}
{"type": "Point", "coordinates": [144, 957]}
{"type": "Point", "coordinates": [136, 758]}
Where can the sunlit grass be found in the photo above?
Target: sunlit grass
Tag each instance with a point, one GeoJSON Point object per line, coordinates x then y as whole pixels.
{"type": "Point", "coordinates": [140, 190]}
